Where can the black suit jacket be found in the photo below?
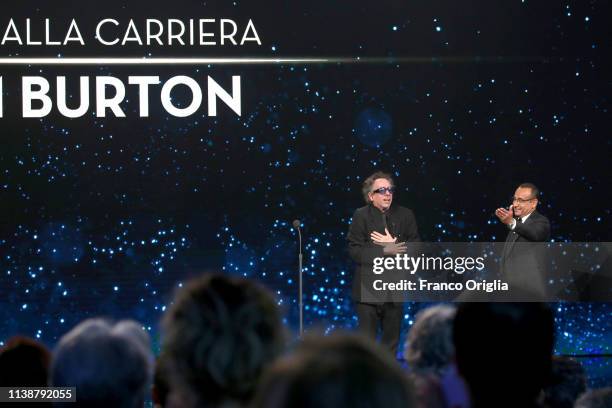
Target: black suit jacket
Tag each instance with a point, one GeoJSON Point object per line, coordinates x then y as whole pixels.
{"type": "Point", "coordinates": [400, 222]}
{"type": "Point", "coordinates": [524, 265]}
{"type": "Point", "coordinates": [536, 228]}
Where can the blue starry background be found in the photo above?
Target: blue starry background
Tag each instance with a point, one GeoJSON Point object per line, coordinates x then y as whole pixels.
{"type": "Point", "coordinates": [108, 216]}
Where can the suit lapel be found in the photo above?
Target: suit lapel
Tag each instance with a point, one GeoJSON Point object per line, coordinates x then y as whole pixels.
{"type": "Point", "coordinates": [510, 240]}
{"type": "Point", "coordinates": [513, 236]}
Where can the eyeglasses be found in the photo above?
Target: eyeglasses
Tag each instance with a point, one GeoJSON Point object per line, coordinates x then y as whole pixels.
{"type": "Point", "coordinates": [384, 190]}
{"type": "Point", "coordinates": [521, 200]}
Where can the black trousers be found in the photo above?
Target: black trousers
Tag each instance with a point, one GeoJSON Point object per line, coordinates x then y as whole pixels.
{"type": "Point", "coordinates": [387, 317]}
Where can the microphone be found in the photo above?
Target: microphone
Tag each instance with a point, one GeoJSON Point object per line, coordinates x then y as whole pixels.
{"type": "Point", "coordinates": [296, 224]}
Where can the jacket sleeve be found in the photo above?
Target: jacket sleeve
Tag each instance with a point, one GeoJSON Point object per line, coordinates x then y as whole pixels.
{"type": "Point", "coordinates": [361, 249]}
{"type": "Point", "coordinates": [537, 231]}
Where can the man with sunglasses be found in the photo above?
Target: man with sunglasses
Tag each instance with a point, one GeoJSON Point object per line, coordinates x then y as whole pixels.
{"type": "Point", "coordinates": [379, 229]}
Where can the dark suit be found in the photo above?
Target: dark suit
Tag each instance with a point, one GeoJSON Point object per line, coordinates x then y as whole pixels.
{"type": "Point", "coordinates": [536, 228]}
{"type": "Point", "coordinates": [523, 264]}
{"type": "Point", "coordinates": [401, 223]}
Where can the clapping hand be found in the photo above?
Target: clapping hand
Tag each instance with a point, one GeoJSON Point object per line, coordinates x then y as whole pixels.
{"type": "Point", "coordinates": [504, 215]}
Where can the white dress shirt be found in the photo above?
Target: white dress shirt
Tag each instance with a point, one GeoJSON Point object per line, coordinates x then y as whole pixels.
{"type": "Point", "coordinates": [523, 219]}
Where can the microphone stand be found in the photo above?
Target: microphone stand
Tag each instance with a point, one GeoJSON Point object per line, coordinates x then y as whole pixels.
{"type": "Point", "coordinates": [300, 296]}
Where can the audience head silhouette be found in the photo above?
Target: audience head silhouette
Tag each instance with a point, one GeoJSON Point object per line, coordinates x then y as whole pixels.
{"type": "Point", "coordinates": [336, 371]}
{"type": "Point", "coordinates": [219, 335]}
{"type": "Point", "coordinates": [429, 346]}
{"type": "Point", "coordinates": [161, 382]}
{"type": "Point", "coordinates": [110, 364]}
{"type": "Point", "coordinates": [504, 351]}
{"type": "Point", "coordinates": [568, 382]}
{"type": "Point", "coordinates": [601, 398]}
{"type": "Point", "coordinates": [24, 363]}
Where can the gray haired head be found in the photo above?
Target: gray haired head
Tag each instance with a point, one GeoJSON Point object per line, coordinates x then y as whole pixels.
{"type": "Point", "coordinates": [109, 364]}
{"type": "Point", "coordinates": [366, 187]}
{"type": "Point", "coordinates": [599, 398]}
{"type": "Point", "coordinates": [429, 346]}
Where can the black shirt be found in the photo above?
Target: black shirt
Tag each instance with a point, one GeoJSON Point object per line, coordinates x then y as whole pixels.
{"type": "Point", "coordinates": [400, 222]}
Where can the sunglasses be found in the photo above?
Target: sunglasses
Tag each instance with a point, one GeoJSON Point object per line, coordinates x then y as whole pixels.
{"type": "Point", "coordinates": [384, 190]}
